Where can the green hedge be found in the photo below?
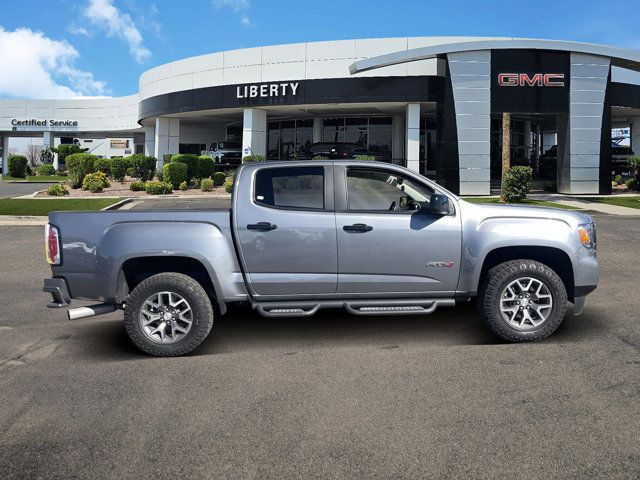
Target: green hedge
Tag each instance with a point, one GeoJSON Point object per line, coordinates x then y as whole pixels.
{"type": "Point", "coordinates": [95, 182]}
{"type": "Point", "coordinates": [158, 188]}
{"type": "Point", "coordinates": [118, 168]}
{"type": "Point", "coordinates": [253, 158]}
{"type": "Point", "coordinates": [205, 166]}
{"type": "Point", "coordinates": [18, 166]}
{"type": "Point", "coordinates": [219, 178]}
{"type": "Point", "coordinates": [175, 173]}
{"type": "Point", "coordinates": [46, 169]}
{"type": "Point", "coordinates": [206, 185]}
{"type": "Point", "coordinates": [102, 165]}
{"type": "Point", "coordinates": [191, 161]}
{"type": "Point", "coordinates": [57, 190]}
{"type": "Point", "coordinates": [137, 186]}
{"type": "Point", "coordinates": [144, 167]}
{"type": "Point", "coordinates": [78, 166]}
{"type": "Point", "coordinates": [517, 183]}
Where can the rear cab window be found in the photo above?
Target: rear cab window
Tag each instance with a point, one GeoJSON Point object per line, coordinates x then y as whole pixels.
{"type": "Point", "coordinates": [290, 188]}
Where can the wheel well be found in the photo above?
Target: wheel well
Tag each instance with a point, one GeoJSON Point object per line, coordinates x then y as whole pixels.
{"type": "Point", "coordinates": [554, 258]}
{"type": "Point", "coordinates": [135, 270]}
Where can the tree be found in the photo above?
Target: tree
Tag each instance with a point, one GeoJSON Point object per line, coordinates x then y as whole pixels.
{"type": "Point", "coordinates": [506, 151]}
{"type": "Point", "coordinates": [33, 154]}
{"type": "Point", "coordinates": [46, 155]}
{"type": "Point", "coordinates": [65, 150]}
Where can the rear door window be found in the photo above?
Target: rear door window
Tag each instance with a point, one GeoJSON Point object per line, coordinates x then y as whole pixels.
{"type": "Point", "coordinates": [290, 187]}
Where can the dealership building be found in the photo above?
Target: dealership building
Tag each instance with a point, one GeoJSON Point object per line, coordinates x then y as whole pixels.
{"type": "Point", "coordinates": [434, 104]}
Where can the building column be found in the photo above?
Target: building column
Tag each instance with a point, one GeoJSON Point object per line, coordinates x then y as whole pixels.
{"type": "Point", "coordinates": [317, 130]}
{"type": "Point", "coordinates": [634, 123]}
{"type": "Point", "coordinates": [579, 163]}
{"type": "Point", "coordinates": [527, 139]}
{"type": "Point", "coordinates": [150, 141]}
{"type": "Point", "coordinates": [412, 136]}
{"type": "Point", "coordinates": [5, 155]}
{"type": "Point", "coordinates": [166, 138]}
{"type": "Point", "coordinates": [397, 138]}
{"type": "Point", "coordinates": [254, 132]}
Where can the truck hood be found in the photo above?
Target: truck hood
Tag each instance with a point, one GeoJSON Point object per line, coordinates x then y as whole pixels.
{"type": "Point", "coordinates": [482, 212]}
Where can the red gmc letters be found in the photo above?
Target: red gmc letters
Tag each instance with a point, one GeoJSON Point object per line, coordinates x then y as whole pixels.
{"type": "Point", "coordinates": [536, 80]}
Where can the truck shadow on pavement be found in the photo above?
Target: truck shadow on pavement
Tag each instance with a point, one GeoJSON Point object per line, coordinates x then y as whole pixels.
{"type": "Point", "coordinates": [242, 330]}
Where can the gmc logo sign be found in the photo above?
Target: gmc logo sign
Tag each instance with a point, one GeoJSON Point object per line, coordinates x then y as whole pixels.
{"type": "Point", "coordinates": [537, 80]}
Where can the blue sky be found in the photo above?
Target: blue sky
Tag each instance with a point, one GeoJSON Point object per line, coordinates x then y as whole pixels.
{"type": "Point", "coordinates": [65, 48]}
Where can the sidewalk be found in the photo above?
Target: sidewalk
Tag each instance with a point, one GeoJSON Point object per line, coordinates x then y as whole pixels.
{"type": "Point", "coordinates": [583, 203]}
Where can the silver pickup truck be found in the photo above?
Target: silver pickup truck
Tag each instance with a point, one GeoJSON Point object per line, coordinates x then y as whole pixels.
{"type": "Point", "coordinates": [372, 238]}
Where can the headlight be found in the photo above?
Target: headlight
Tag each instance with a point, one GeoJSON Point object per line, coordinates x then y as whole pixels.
{"type": "Point", "coordinates": [587, 234]}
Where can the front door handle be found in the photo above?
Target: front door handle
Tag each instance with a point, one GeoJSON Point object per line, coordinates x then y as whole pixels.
{"type": "Point", "coordinates": [262, 226]}
{"type": "Point", "coordinates": [357, 227]}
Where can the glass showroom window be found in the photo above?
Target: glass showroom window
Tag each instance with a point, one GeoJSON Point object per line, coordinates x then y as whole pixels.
{"type": "Point", "coordinates": [288, 138]}
{"type": "Point", "coordinates": [374, 133]}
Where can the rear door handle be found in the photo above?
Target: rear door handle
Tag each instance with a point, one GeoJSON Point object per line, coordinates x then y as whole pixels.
{"type": "Point", "coordinates": [262, 226]}
{"type": "Point", "coordinates": [357, 227]}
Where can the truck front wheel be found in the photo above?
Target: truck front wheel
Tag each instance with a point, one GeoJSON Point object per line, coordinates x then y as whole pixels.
{"type": "Point", "coordinates": [168, 315]}
{"type": "Point", "coordinates": [522, 300]}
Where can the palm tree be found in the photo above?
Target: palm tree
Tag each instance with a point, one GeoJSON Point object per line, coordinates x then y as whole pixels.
{"type": "Point", "coordinates": [506, 151]}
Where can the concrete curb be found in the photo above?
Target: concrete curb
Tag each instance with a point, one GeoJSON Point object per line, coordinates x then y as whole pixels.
{"type": "Point", "coordinates": [119, 204]}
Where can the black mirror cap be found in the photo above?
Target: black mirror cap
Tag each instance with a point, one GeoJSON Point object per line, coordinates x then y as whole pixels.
{"type": "Point", "coordinates": [439, 204]}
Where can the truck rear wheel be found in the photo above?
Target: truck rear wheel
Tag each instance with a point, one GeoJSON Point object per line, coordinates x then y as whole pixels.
{"type": "Point", "coordinates": [522, 300]}
{"type": "Point", "coordinates": [168, 315]}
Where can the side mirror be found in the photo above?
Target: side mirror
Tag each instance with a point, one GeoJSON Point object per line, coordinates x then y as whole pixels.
{"type": "Point", "coordinates": [439, 204]}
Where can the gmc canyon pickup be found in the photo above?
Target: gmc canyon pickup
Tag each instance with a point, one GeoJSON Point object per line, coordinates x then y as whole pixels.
{"type": "Point", "coordinates": [372, 238]}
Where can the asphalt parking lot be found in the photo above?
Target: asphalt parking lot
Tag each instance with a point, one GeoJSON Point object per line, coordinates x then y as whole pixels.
{"type": "Point", "coordinates": [333, 396]}
{"type": "Point", "coordinates": [14, 189]}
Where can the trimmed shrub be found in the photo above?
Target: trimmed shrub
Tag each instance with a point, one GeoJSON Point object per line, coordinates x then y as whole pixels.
{"type": "Point", "coordinates": [228, 186]}
{"type": "Point", "coordinates": [175, 173]}
{"type": "Point", "coordinates": [46, 169]}
{"type": "Point", "coordinates": [57, 190]}
{"type": "Point", "coordinates": [95, 180]}
{"type": "Point", "coordinates": [365, 157]}
{"type": "Point", "coordinates": [158, 188]}
{"type": "Point", "coordinates": [66, 150]}
{"type": "Point", "coordinates": [143, 167]}
{"type": "Point", "coordinates": [18, 166]}
{"type": "Point", "coordinates": [79, 165]}
{"type": "Point", "coordinates": [219, 178]}
{"type": "Point", "coordinates": [191, 161]}
{"type": "Point", "coordinates": [205, 166]}
{"type": "Point", "coordinates": [206, 185]}
{"type": "Point", "coordinates": [183, 186]}
{"type": "Point", "coordinates": [137, 186]}
{"type": "Point", "coordinates": [159, 175]}
{"type": "Point", "coordinates": [319, 157]}
{"type": "Point", "coordinates": [632, 184]}
{"type": "Point", "coordinates": [617, 179]}
{"type": "Point", "coordinates": [253, 158]}
{"type": "Point", "coordinates": [517, 183]}
{"type": "Point", "coordinates": [30, 172]}
{"type": "Point", "coordinates": [118, 169]}
{"type": "Point", "coordinates": [102, 165]}
{"type": "Point", "coordinates": [166, 158]}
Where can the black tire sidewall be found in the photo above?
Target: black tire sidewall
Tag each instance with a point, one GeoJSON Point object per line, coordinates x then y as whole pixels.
{"type": "Point", "coordinates": [498, 279]}
{"type": "Point", "coordinates": [191, 291]}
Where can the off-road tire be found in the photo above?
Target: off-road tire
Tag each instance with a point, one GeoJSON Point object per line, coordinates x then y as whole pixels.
{"type": "Point", "coordinates": [191, 291]}
{"type": "Point", "coordinates": [496, 280]}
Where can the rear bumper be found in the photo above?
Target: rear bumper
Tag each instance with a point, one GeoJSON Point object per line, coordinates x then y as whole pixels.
{"type": "Point", "coordinates": [59, 291]}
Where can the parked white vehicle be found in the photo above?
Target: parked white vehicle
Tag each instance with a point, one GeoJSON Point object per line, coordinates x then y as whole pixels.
{"type": "Point", "coordinates": [224, 152]}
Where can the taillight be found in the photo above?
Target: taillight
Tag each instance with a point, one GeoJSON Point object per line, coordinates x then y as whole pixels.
{"type": "Point", "coordinates": [52, 244]}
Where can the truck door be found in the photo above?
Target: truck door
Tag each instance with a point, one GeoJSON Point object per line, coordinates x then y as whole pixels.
{"type": "Point", "coordinates": [286, 230]}
{"type": "Point", "coordinates": [385, 245]}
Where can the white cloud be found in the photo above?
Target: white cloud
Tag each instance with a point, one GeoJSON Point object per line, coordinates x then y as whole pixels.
{"type": "Point", "coordinates": [237, 6]}
{"type": "Point", "coordinates": [103, 14]}
{"type": "Point", "coordinates": [35, 66]}
{"type": "Point", "coordinates": [78, 30]}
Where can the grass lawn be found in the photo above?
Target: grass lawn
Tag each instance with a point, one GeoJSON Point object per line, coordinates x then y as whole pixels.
{"type": "Point", "coordinates": [38, 178]}
{"type": "Point", "coordinates": [631, 202]}
{"type": "Point", "coordinates": [534, 203]}
{"type": "Point", "coordinates": [27, 206]}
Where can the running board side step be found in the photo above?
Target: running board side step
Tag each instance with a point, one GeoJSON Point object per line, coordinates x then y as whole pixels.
{"type": "Point", "coordinates": [361, 307]}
